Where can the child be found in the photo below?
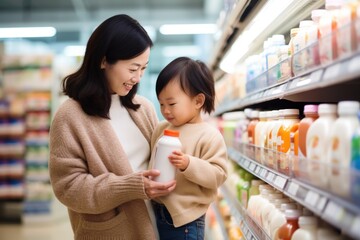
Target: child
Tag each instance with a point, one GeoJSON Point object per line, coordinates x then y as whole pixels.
{"type": "Point", "coordinates": [184, 89]}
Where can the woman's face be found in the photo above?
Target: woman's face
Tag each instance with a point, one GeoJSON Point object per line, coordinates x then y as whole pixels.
{"type": "Point", "coordinates": [124, 74]}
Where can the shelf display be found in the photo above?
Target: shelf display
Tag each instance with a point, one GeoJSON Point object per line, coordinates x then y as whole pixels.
{"type": "Point", "coordinates": [28, 76]}
{"type": "Point", "coordinates": [307, 77]}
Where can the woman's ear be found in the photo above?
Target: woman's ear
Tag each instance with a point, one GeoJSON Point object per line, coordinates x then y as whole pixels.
{"type": "Point", "coordinates": [199, 100]}
{"type": "Point", "coordinates": [103, 63]}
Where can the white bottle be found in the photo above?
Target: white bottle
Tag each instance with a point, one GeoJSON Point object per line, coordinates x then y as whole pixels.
{"type": "Point", "coordinates": [168, 143]}
{"type": "Point", "coordinates": [317, 142]}
{"type": "Point", "coordinates": [266, 209]}
{"type": "Point", "coordinates": [279, 219]}
{"type": "Point", "coordinates": [307, 229]}
{"type": "Point", "coordinates": [339, 153]}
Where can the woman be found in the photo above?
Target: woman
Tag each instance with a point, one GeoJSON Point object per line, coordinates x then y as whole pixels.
{"type": "Point", "coordinates": [100, 138]}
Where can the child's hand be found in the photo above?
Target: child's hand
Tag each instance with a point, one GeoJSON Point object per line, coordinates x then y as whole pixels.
{"type": "Point", "coordinates": [179, 160]}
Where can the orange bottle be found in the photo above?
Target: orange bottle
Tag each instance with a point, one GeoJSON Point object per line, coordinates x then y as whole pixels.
{"type": "Point", "coordinates": [288, 127]}
{"type": "Point", "coordinates": [286, 231]}
{"type": "Point", "coordinates": [311, 114]}
{"type": "Point", "coordinates": [254, 115]}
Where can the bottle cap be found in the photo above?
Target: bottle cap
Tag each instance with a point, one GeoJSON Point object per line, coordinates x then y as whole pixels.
{"type": "Point", "coordinates": [348, 107]}
{"type": "Point", "coordinates": [311, 108]}
{"type": "Point", "coordinates": [316, 14]}
{"type": "Point", "coordinates": [327, 108]}
{"type": "Point", "coordinates": [286, 206]}
{"type": "Point", "coordinates": [292, 213]}
{"type": "Point", "coordinates": [231, 116]}
{"type": "Point", "coordinates": [333, 4]}
{"type": "Point", "coordinates": [254, 114]}
{"type": "Point", "coordinates": [290, 112]}
{"type": "Point", "coordinates": [172, 133]}
{"type": "Point", "coordinates": [256, 182]}
{"type": "Point", "coordinates": [306, 23]}
{"type": "Point", "coordinates": [308, 220]}
{"type": "Point", "coordinates": [294, 31]}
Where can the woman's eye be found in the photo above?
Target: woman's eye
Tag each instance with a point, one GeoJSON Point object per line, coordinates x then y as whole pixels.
{"type": "Point", "coordinates": [133, 70]}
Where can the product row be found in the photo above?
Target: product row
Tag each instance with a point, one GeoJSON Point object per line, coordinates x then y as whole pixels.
{"type": "Point", "coordinates": [322, 148]}
{"type": "Point", "coordinates": [332, 33]}
{"type": "Point", "coordinates": [276, 215]}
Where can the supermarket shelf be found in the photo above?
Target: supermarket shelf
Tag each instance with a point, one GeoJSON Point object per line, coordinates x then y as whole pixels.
{"type": "Point", "coordinates": [220, 220]}
{"type": "Point", "coordinates": [250, 229]}
{"type": "Point", "coordinates": [322, 84]}
{"type": "Point", "coordinates": [339, 212]}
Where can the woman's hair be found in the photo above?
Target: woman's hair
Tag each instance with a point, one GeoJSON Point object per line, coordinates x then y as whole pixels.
{"type": "Point", "coordinates": [118, 38]}
{"type": "Point", "coordinates": [194, 77]}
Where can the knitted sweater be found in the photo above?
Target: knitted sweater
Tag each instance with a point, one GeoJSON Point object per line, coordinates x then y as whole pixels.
{"type": "Point", "coordinates": [196, 186]}
{"type": "Point", "coordinates": [91, 175]}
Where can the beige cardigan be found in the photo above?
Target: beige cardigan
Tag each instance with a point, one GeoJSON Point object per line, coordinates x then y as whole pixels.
{"type": "Point", "coordinates": [196, 186]}
{"type": "Point", "coordinates": [91, 175]}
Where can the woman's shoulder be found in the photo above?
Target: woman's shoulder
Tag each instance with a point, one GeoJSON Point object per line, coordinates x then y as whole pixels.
{"type": "Point", "coordinates": [143, 101]}
{"type": "Point", "coordinates": [69, 108]}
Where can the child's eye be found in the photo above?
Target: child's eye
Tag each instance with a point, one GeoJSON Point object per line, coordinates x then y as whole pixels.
{"type": "Point", "coordinates": [133, 70]}
{"type": "Point", "coordinates": [172, 104]}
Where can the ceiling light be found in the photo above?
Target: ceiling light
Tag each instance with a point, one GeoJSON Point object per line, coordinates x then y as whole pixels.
{"type": "Point", "coordinates": [176, 51]}
{"type": "Point", "coordinates": [176, 29]}
{"type": "Point", "coordinates": [27, 32]}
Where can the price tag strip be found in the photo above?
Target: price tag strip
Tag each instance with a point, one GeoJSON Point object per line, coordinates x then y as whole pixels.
{"type": "Point", "coordinates": [333, 72]}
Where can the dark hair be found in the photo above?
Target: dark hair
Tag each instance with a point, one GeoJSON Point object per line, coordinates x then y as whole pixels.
{"type": "Point", "coordinates": [194, 76]}
{"type": "Point", "coordinates": [118, 38]}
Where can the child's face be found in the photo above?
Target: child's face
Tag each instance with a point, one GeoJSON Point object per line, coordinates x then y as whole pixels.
{"type": "Point", "coordinates": [177, 107]}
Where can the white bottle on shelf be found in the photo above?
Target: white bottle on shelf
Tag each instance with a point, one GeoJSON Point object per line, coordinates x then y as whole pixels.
{"type": "Point", "coordinates": [339, 152]}
{"type": "Point", "coordinates": [166, 144]}
{"type": "Point", "coordinates": [279, 219]}
{"type": "Point", "coordinates": [307, 230]}
{"type": "Point", "coordinates": [317, 142]}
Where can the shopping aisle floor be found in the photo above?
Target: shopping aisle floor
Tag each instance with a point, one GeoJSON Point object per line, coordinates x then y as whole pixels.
{"type": "Point", "coordinates": [58, 228]}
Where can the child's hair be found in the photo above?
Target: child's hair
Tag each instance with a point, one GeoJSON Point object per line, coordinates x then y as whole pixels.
{"type": "Point", "coordinates": [194, 76]}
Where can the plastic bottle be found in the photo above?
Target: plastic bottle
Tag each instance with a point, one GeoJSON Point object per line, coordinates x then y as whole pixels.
{"type": "Point", "coordinates": [293, 33]}
{"type": "Point", "coordinates": [339, 154]}
{"type": "Point", "coordinates": [288, 127]}
{"type": "Point", "coordinates": [299, 43]}
{"type": "Point", "coordinates": [252, 124]}
{"type": "Point", "coordinates": [307, 229]}
{"type": "Point", "coordinates": [346, 36]}
{"type": "Point", "coordinates": [328, 26]}
{"type": "Point", "coordinates": [258, 130]}
{"type": "Point", "coordinates": [266, 209]}
{"type": "Point", "coordinates": [286, 231]}
{"type": "Point", "coordinates": [274, 208]}
{"type": "Point", "coordinates": [262, 138]}
{"type": "Point", "coordinates": [311, 114]}
{"type": "Point", "coordinates": [230, 124]}
{"type": "Point", "coordinates": [355, 165]}
{"type": "Point", "coordinates": [317, 142]}
{"type": "Point", "coordinates": [273, 59]}
{"type": "Point", "coordinates": [278, 218]}
{"type": "Point", "coordinates": [273, 119]}
{"type": "Point", "coordinates": [313, 38]}
{"type": "Point", "coordinates": [166, 144]}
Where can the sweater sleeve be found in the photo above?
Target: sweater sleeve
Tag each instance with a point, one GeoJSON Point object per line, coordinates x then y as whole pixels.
{"type": "Point", "coordinates": [209, 169]}
{"type": "Point", "coordinates": [82, 185]}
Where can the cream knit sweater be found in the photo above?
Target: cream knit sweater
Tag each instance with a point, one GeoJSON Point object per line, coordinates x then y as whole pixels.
{"type": "Point", "coordinates": [91, 175]}
{"type": "Point", "coordinates": [196, 187]}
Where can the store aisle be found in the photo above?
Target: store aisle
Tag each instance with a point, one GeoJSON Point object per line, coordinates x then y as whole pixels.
{"type": "Point", "coordinates": [58, 230]}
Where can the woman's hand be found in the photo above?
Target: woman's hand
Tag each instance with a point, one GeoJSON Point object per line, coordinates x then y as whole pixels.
{"type": "Point", "coordinates": [156, 189]}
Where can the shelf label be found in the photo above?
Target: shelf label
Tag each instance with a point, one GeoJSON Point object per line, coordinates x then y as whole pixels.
{"type": "Point", "coordinates": [257, 170]}
{"type": "Point", "coordinates": [332, 72]}
{"type": "Point", "coordinates": [252, 166]}
{"type": "Point", "coordinates": [312, 198]}
{"type": "Point", "coordinates": [293, 188]}
{"type": "Point", "coordinates": [321, 204]}
{"type": "Point", "coordinates": [280, 182]}
{"type": "Point", "coordinates": [246, 163]}
{"type": "Point", "coordinates": [334, 212]}
{"type": "Point", "coordinates": [263, 173]}
{"type": "Point", "coordinates": [270, 177]}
